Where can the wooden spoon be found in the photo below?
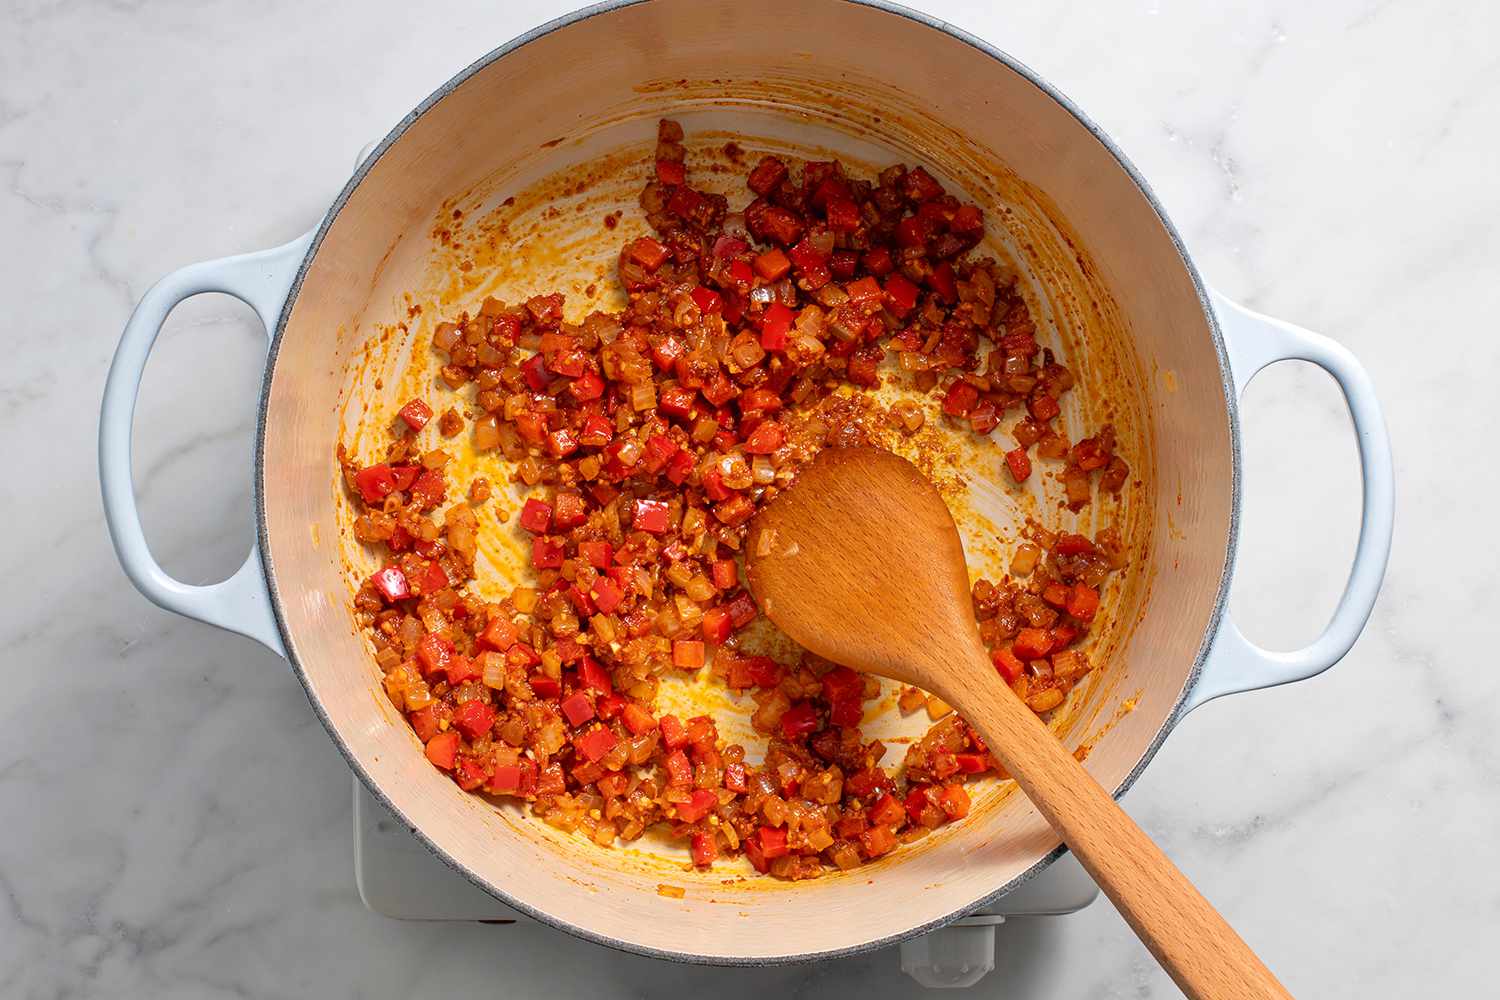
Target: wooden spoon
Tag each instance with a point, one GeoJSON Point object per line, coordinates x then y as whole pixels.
{"type": "Point", "coordinates": [860, 562]}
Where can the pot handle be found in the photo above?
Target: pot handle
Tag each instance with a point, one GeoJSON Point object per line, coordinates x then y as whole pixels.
{"type": "Point", "coordinates": [1234, 663]}
{"type": "Point", "coordinates": [241, 603]}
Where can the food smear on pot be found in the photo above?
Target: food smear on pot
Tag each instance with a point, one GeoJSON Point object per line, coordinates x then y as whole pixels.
{"type": "Point", "coordinates": [646, 440]}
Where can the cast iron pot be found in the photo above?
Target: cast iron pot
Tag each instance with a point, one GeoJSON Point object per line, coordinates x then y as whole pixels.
{"type": "Point", "coordinates": [865, 78]}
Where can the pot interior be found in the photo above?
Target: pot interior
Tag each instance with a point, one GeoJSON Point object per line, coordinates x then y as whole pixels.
{"type": "Point", "coordinates": [501, 185]}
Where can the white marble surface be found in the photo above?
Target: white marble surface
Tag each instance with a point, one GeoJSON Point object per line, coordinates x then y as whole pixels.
{"type": "Point", "coordinates": [174, 822]}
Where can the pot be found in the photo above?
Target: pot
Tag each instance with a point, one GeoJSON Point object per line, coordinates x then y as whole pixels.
{"type": "Point", "coordinates": [1163, 355]}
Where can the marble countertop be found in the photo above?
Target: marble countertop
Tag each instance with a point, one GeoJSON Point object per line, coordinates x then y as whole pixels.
{"type": "Point", "coordinates": [175, 823]}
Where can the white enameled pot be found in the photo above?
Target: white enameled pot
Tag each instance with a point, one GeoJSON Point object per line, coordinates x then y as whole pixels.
{"type": "Point", "coordinates": [865, 79]}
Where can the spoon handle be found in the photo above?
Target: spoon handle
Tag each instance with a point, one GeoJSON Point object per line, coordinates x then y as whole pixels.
{"type": "Point", "coordinates": [1201, 952]}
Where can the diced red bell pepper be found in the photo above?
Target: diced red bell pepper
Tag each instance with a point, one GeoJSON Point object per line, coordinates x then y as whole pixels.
{"type": "Point", "coordinates": [807, 257]}
{"type": "Point", "coordinates": [570, 512]}
{"type": "Point", "coordinates": [865, 292]}
{"type": "Point", "coordinates": [846, 712]}
{"type": "Point", "coordinates": [773, 264]}
{"type": "Point", "coordinates": [666, 351]}
{"type": "Point", "coordinates": [716, 625]}
{"type": "Point", "coordinates": [779, 224]}
{"type": "Point", "coordinates": [505, 780]}
{"type": "Point", "coordinates": [390, 582]}
{"type": "Point", "coordinates": [968, 219]}
{"type": "Point", "coordinates": [1083, 602]}
{"type": "Point", "coordinates": [593, 675]}
{"type": "Point", "coordinates": [637, 719]}
{"type": "Point", "coordinates": [719, 389]}
{"type": "Point", "coordinates": [595, 431]}
{"type": "Point", "coordinates": [433, 579]}
{"type": "Point", "coordinates": [735, 778]}
{"type": "Point", "coordinates": [536, 516]}
{"type": "Point", "coordinates": [610, 706]}
{"type": "Point", "coordinates": [424, 722]}
{"type": "Point", "coordinates": [598, 554]}
{"type": "Point", "coordinates": [1032, 644]}
{"type": "Point", "coordinates": [544, 686]}
{"type": "Point", "coordinates": [647, 252]}
{"type": "Point", "coordinates": [772, 842]}
{"type": "Point", "coordinates": [705, 849]}
{"type": "Point", "coordinates": [984, 417]}
{"type": "Point", "coordinates": [1055, 594]}
{"type": "Point", "coordinates": [532, 427]}
{"type": "Point", "coordinates": [1070, 544]}
{"type": "Point", "coordinates": [474, 718]}
{"type": "Point", "coordinates": [470, 772]}
{"type": "Point", "coordinates": [877, 261]}
{"type": "Point", "coordinates": [706, 299]}
{"type": "Point", "coordinates": [428, 489]}
{"type": "Point", "coordinates": [724, 573]}
{"type": "Point", "coordinates": [1006, 661]}
{"type": "Point", "coordinates": [568, 650]}
{"type": "Point", "coordinates": [679, 768]}
{"type": "Point", "coordinates": [676, 401]}
{"type": "Point", "coordinates": [416, 414]}
{"type": "Point", "coordinates": [917, 802]}
{"type": "Point", "coordinates": [697, 807]}
{"type": "Point", "coordinates": [1019, 464]}
{"type": "Point", "coordinates": [680, 467]}
{"type": "Point", "coordinates": [400, 540]}
{"type": "Point", "coordinates": [767, 175]}
{"type": "Point", "coordinates": [405, 475]}
{"type": "Point", "coordinates": [713, 485]}
{"type": "Point", "coordinates": [535, 370]}
{"type": "Point", "coordinates": [546, 553]}
{"type": "Point", "coordinates": [460, 669]}
{"type": "Point", "coordinates": [684, 202]}
{"type": "Point", "coordinates": [944, 282]}
{"type": "Point", "coordinates": [887, 810]}
{"type": "Point", "coordinates": [1043, 407]}
{"type": "Point", "coordinates": [673, 732]}
{"type": "Point", "coordinates": [919, 185]}
{"type": "Point", "coordinates": [741, 274]}
{"type": "Point", "coordinates": [587, 386]}
{"type": "Point", "coordinates": [843, 264]}
{"type": "Point", "coordinates": [843, 215]}
{"type": "Point", "coordinates": [765, 439]}
{"type": "Point", "coordinates": [671, 171]}
{"type": "Point", "coordinates": [742, 609]}
{"type": "Point", "coordinates": [651, 515]}
{"type": "Point", "coordinates": [687, 654]}
{"type": "Point", "coordinates": [972, 763]}
{"type": "Point", "coordinates": [597, 742]}
{"type": "Point", "coordinates": [499, 634]}
{"type": "Point", "coordinates": [577, 708]}
{"type": "Point", "coordinates": [522, 655]}
{"type": "Point", "coordinates": [660, 450]}
{"type": "Point", "coordinates": [375, 483]}
{"type": "Point", "coordinates": [901, 294]}
{"type": "Point", "coordinates": [960, 399]}
{"type": "Point", "coordinates": [911, 232]}
{"type": "Point", "coordinates": [433, 652]}
{"type": "Point", "coordinates": [954, 801]}
{"type": "Point", "coordinates": [800, 720]}
{"type": "Point", "coordinates": [776, 327]}
{"type": "Point", "coordinates": [442, 749]}
{"type": "Point", "coordinates": [764, 671]}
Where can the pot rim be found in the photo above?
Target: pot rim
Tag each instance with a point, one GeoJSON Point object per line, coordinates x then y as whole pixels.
{"type": "Point", "coordinates": [1179, 706]}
